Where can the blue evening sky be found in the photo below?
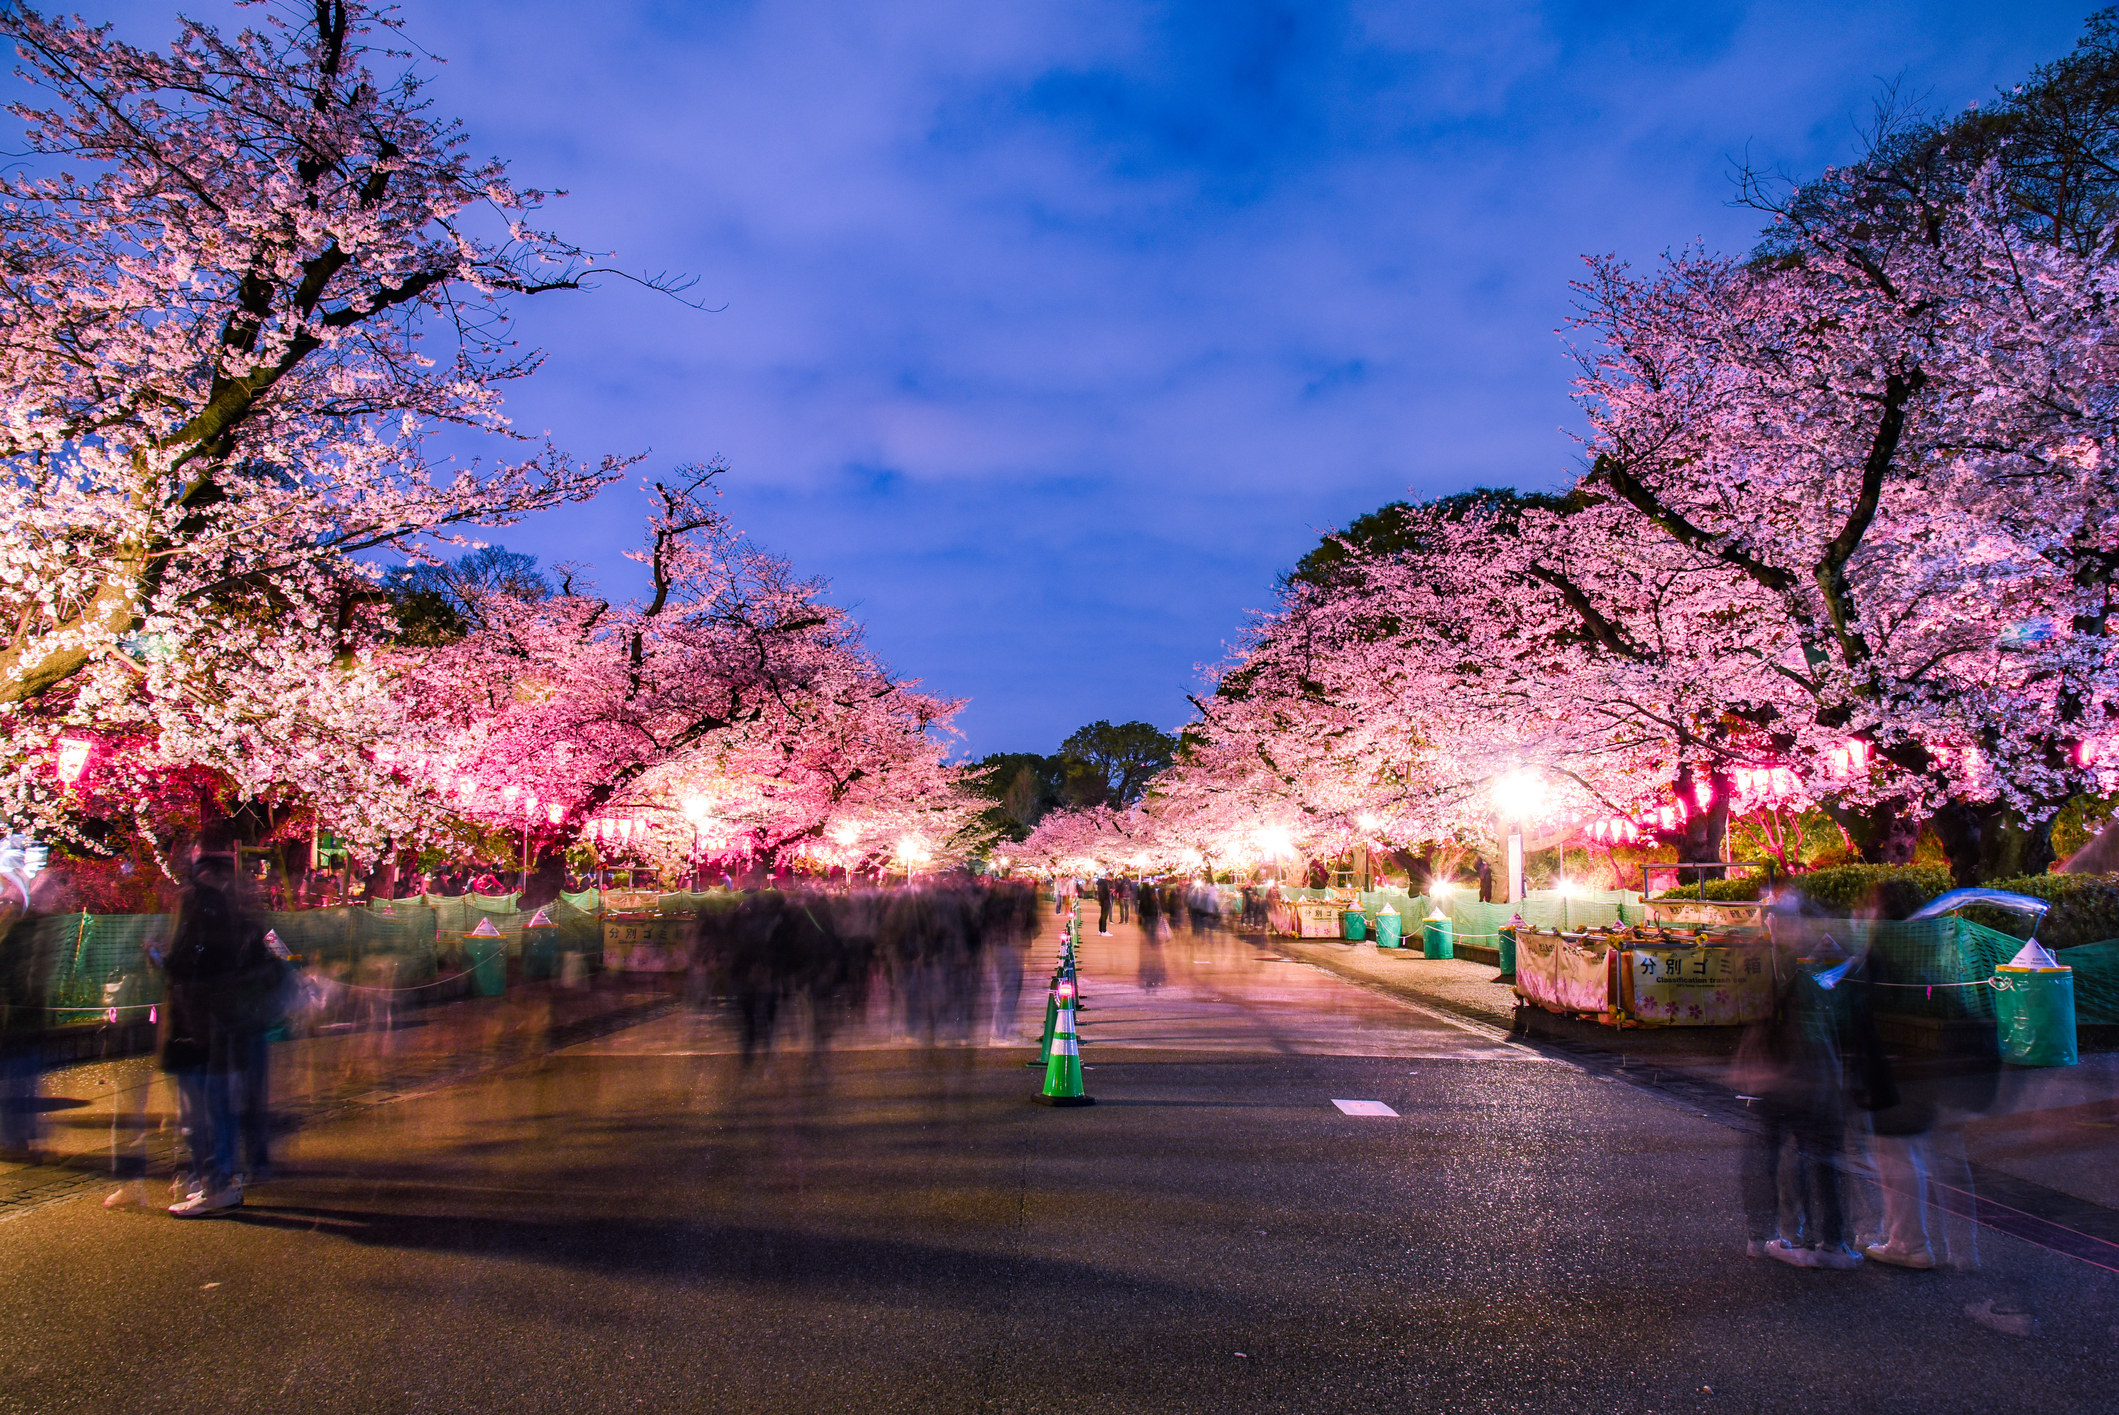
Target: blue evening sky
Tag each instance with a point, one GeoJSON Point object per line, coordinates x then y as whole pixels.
{"type": "Point", "coordinates": [1055, 331]}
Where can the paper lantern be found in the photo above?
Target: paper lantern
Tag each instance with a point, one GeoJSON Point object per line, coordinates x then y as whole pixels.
{"type": "Point", "coordinates": [73, 758]}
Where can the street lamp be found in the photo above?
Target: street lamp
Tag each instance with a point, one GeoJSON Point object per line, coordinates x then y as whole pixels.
{"type": "Point", "coordinates": [1517, 795]}
{"type": "Point", "coordinates": [696, 810]}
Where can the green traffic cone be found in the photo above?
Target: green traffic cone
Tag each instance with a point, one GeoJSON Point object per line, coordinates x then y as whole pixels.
{"type": "Point", "coordinates": [1044, 1048]}
{"type": "Point", "coordinates": [1063, 1068]}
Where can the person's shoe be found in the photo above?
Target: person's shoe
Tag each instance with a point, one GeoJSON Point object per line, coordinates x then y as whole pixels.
{"type": "Point", "coordinates": [1754, 1247]}
{"type": "Point", "coordinates": [2002, 1315]}
{"type": "Point", "coordinates": [131, 1193]}
{"type": "Point", "coordinates": [209, 1201]}
{"type": "Point", "coordinates": [1919, 1259]}
{"type": "Point", "coordinates": [1795, 1256]}
{"type": "Point", "coordinates": [1837, 1256]}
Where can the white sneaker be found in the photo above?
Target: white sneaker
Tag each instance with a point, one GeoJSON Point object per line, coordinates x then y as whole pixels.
{"type": "Point", "coordinates": [1919, 1259]}
{"type": "Point", "coordinates": [1782, 1251]}
{"type": "Point", "coordinates": [2002, 1316]}
{"type": "Point", "coordinates": [1838, 1256]}
{"type": "Point", "coordinates": [209, 1201]}
{"type": "Point", "coordinates": [131, 1192]}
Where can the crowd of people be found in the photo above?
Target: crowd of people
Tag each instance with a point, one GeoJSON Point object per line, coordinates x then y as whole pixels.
{"type": "Point", "coordinates": [1163, 905]}
{"type": "Point", "coordinates": [1819, 1079]}
{"type": "Point", "coordinates": [951, 956]}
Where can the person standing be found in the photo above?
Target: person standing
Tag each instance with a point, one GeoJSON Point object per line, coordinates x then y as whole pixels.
{"type": "Point", "coordinates": [196, 1049]}
{"type": "Point", "coordinates": [1123, 888]}
{"type": "Point", "coordinates": [1103, 906]}
{"type": "Point", "coordinates": [28, 955]}
{"type": "Point", "coordinates": [1486, 880]}
{"type": "Point", "coordinates": [1796, 1065]}
{"type": "Point", "coordinates": [1150, 911]}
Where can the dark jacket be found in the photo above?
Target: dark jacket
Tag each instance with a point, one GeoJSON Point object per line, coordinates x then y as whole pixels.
{"type": "Point", "coordinates": [28, 954]}
{"type": "Point", "coordinates": [224, 984]}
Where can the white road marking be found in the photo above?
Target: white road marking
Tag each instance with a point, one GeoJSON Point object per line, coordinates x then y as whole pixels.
{"type": "Point", "coordinates": [1364, 1108]}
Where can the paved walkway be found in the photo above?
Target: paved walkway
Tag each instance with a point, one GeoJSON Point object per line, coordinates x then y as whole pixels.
{"type": "Point", "coordinates": [97, 1110]}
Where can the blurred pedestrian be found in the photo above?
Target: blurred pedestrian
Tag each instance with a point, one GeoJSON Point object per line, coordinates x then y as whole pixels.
{"type": "Point", "coordinates": [203, 972]}
{"type": "Point", "coordinates": [28, 954]}
{"type": "Point", "coordinates": [1937, 1088]}
{"type": "Point", "coordinates": [1794, 1068]}
{"type": "Point", "coordinates": [1485, 872]}
{"type": "Point", "coordinates": [1103, 906]}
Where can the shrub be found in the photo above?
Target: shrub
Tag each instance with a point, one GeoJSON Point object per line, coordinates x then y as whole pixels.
{"type": "Point", "coordinates": [2085, 909]}
{"type": "Point", "coordinates": [1893, 891]}
{"type": "Point", "coordinates": [1727, 891]}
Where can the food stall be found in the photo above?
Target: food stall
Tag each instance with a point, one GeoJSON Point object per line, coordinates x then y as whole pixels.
{"type": "Point", "coordinates": [1308, 918]}
{"type": "Point", "coordinates": [1649, 976]}
{"type": "Point", "coordinates": [639, 938]}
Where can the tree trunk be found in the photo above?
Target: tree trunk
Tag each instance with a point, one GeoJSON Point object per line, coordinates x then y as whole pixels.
{"type": "Point", "coordinates": [1883, 834]}
{"type": "Point", "coordinates": [1988, 841]}
{"type": "Point", "coordinates": [1705, 835]}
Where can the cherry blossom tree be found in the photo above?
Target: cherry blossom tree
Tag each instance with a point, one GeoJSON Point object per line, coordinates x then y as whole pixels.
{"type": "Point", "coordinates": [247, 280]}
{"type": "Point", "coordinates": [1896, 448]}
{"type": "Point", "coordinates": [732, 710]}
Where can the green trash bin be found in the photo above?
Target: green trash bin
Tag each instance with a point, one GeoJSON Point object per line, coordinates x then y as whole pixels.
{"type": "Point", "coordinates": [2034, 1010]}
{"type": "Point", "coordinates": [1508, 949]}
{"type": "Point", "coordinates": [488, 962]}
{"type": "Point", "coordinates": [1438, 937]}
{"type": "Point", "coordinates": [540, 954]}
{"type": "Point", "coordinates": [1389, 928]}
{"type": "Point", "coordinates": [1354, 924]}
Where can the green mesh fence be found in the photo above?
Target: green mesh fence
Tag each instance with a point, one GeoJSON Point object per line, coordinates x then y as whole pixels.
{"type": "Point", "coordinates": [2096, 968]}
{"type": "Point", "coordinates": [99, 961]}
{"type": "Point", "coordinates": [451, 914]}
{"type": "Point", "coordinates": [1922, 966]}
{"type": "Point", "coordinates": [588, 901]}
{"type": "Point", "coordinates": [363, 945]}
{"type": "Point", "coordinates": [579, 929]}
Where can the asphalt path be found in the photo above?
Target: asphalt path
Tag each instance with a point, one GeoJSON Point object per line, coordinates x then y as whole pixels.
{"type": "Point", "coordinates": [641, 1222]}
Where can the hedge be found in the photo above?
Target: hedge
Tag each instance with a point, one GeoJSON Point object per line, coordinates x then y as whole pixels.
{"type": "Point", "coordinates": [2085, 907]}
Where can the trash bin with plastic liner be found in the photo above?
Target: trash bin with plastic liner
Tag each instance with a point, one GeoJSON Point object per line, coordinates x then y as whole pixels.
{"type": "Point", "coordinates": [2034, 994]}
{"type": "Point", "coordinates": [1389, 927]}
{"type": "Point", "coordinates": [1438, 937]}
{"type": "Point", "coordinates": [1354, 924]}
{"type": "Point", "coordinates": [2034, 1009]}
{"type": "Point", "coordinates": [486, 960]}
{"type": "Point", "coordinates": [1508, 948]}
{"type": "Point", "coordinates": [540, 947]}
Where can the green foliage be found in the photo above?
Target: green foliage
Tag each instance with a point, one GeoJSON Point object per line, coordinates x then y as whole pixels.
{"type": "Point", "coordinates": [2085, 909]}
{"type": "Point", "coordinates": [1393, 529]}
{"type": "Point", "coordinates": [1022, 786]}
{"type": "Point", "coordinates": [439, 604]}
{"type": "Point", "coordinates": [1892, 890]}
{"type": "Point", "coordinates": [2079, 821]}
{"type": "Point", "coordinates": [1114, 764]}
{"type": "Point", "coordinates": [1725, 891]}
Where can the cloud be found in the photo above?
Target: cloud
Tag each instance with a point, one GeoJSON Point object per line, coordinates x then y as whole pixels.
{"type": "Point", "coordinates": [1054, 331]}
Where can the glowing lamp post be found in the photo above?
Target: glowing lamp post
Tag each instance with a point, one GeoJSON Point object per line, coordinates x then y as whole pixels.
{"type": "Point", "coordinates": [912, 853]}
{"type": "Point", "coordinates": [698, 811]}
{"type": "Point", "coordinates": [1517, 796]}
